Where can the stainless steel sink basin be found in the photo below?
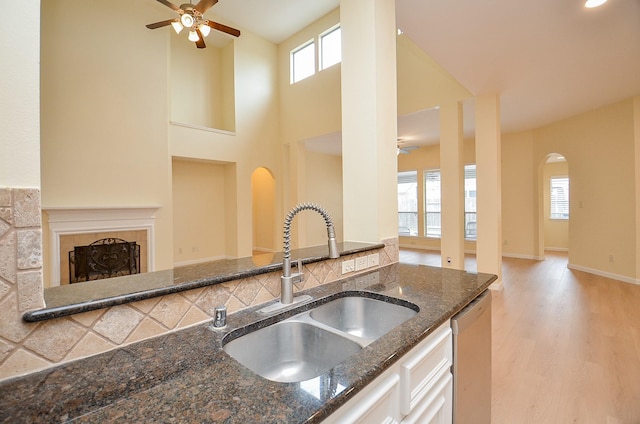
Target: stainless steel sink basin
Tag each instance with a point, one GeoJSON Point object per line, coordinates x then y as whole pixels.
{"type": "Point", "coordinates": [291, 351]}
{"type": "Point", "coordinates": [362, 316]}
{"type": "Point", "coordinates": [308, 344]}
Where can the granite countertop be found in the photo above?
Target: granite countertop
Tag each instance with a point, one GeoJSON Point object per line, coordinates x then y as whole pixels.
{"type": "Point", "coordinates": [187, 377]}
{"type": "Point", "coordinates": [76, 298]}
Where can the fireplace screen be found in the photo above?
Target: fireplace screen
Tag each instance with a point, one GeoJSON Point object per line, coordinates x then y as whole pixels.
{"type": "Point", "coordinates": [105, 258]}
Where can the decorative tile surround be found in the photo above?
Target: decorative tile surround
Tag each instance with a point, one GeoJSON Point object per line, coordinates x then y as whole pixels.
{"type": "Point", "coordinates": [28, 347]}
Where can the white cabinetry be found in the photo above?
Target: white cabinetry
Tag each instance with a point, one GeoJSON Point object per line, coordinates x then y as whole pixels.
{"type": "Point", "coordinates": [416, 389]}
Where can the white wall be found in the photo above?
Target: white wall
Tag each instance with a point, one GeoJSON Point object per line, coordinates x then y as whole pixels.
{"type": "Point", "coordinates": [104, 111]}
{"type": "Point", "coordinates": [422, 82]}
{"type": "Point", "coordinates": [556, 232]}
{"type": "Point", "coordinates": [255, 142]}
{"type": "Point", "coordinates": [264, 208]}
{"type": "Point", "coordinates": [599, 147]}
{"type": "Point", "coordinates": [199, 83]}
{"type": "Point", "coordinates": [311, 107]}
{"type": "Point", "coordinates": [323, 183]}
{"type": "Point", "coordinates": [518, 208]}
{"type": "Point", "coordinates": [106, 137]}
{"type": "Point", "coordinates": [199, 211]}
{"type": "Point", "coordinates": [19, 101]}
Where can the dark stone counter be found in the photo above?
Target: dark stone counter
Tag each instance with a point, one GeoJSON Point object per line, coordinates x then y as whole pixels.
{"type": "Point", "coordinates": [187, 377]}
{"type": "Point", "coordinates": [76, 298]}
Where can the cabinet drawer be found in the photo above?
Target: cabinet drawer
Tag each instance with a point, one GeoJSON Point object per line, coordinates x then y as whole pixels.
{"type": "Point", "coordinates": [377, 403]}
{"type": "Point", "coordinates": [437, 406]}
{"type": "Point", "coordinates": [420, 370]}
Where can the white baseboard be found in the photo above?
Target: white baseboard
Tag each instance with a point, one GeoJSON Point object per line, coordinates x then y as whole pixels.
{"type": "Point", "coordinates": [605, 274]}
{"type": "Point", "coordinates": [557, 249]}
{"type": "Point", "coordinates": [419, 247]}
{"type": "Point", "coordinates": [498, 285]}
{"type": "Point", "coordinates": [521, 256]}
{"type": "Point", "coordinates": [473, 252]}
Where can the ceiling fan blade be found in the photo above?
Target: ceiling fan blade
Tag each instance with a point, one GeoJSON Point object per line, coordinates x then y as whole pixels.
{"type": "Point", "coordinates": [169, 4]}
{"type": "Point", "coordinates": [204, 5]}
{"type": "Point", "coordinates": [224, 28]}
{"type": "Point", "coordinates": [200, 43]}
{"type": "Point", "coordinates": [161, 24]}
{"type": "Point", "coordinates": [405, 150]}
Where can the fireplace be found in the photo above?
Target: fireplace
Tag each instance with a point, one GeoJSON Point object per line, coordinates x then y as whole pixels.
{"type": "Point", "coordinates": [104, 258]}
{"type": "Point", "coordinates": [78, 227]}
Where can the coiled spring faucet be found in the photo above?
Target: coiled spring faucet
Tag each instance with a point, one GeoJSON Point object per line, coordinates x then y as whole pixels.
{"type": "Point", "coordinates": [288, 279]}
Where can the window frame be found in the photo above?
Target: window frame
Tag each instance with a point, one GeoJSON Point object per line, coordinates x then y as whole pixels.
{"type": "Point", "coordinates": [321, 50]}
{"type": "Point", "coordinates": [566, 215]}
{"type": "Point", "coordinates": [292, 55]}
{"type": "Point", "coordinates": [413, 213]}
{"type": "Point", "coordinates": [470, 225]}
{"type": "Point", "coordinates": [428, 213]}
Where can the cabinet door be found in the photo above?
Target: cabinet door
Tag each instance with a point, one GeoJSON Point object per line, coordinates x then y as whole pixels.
{"type": "Point", "coordinates": [422, 367]}
{"type": "Point", "coordinates": [378, 403]}
{"type": "Point", "coordinates": [419, 386]}
{"type": "Point", "coordinates": [437, 406]}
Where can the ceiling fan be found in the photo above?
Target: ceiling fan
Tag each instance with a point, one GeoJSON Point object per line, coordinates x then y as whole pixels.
{"type": "Point", "coordinates": [405, 150]}
{"type": "Point", "coordinates": [190, 17]}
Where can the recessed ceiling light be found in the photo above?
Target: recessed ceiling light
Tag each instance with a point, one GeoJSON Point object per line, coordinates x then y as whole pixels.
{"type": "Point", "coordinates": [594, 3]}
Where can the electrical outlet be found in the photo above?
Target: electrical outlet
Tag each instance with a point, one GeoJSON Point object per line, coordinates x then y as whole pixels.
{"type": "Point", "coordinates": [348, 266]}
{"type": "Point", "coordinates": [612, 258]}
{"type": "Point", "coordinates": [361, 263]}
{"type": "Point", "coordinates": [373, 260]}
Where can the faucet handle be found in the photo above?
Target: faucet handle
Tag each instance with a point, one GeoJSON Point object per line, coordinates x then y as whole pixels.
{"type": "Point", "coordinates": [298, 275]}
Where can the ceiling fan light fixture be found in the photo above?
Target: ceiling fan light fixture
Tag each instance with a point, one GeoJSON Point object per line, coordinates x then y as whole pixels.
{"type": "Point", "coordinates": [193, 36]}
{"type": "Point", "coordinates": [177, 27]}
{"type": "Point", "coordinates": [191, 17]}
{"type": "Point", "coordinates": [204, 29]}
{"type": "Point", "coordinates": [187, 20]}
{"type": "Point", "coordinates": [590, 4]}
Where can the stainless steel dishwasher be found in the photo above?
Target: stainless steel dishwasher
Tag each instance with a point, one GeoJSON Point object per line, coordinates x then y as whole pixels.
{"type": "Point", "coordinates": [472, 362]}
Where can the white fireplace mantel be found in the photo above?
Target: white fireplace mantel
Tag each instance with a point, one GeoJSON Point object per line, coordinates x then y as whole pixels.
{"type": "Point", "coordinates": [79, 220]}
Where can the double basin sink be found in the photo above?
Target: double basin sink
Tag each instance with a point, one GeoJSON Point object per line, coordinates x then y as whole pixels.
{"type": "Point", "coordinates": [312, 342]}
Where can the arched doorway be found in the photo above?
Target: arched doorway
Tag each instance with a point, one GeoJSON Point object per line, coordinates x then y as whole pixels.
{"type": "Point", "coordinates": [263, 211]}
{"type": "Point", "coordinates": [554, 186]}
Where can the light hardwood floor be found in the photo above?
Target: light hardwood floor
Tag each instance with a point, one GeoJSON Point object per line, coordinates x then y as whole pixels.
{"type": "Point", "coordinates": [566, 344]}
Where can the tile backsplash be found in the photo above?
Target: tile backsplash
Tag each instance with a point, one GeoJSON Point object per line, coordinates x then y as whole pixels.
{"type": "Point", "coordinates": [28, 347]}
{"type": "Point", "coordinates": [20, 276]}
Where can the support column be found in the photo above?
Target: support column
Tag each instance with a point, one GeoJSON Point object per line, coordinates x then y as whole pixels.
{"type": "Point", "coordinates": [452, 183]}
{"type": "Point", "coordinates": [489, 197]}
{"type": "Point", "coordinates": [369, 120]}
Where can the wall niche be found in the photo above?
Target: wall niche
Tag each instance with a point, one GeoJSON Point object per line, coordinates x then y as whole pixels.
{"type": "Point", "coordinates": [202, 82]}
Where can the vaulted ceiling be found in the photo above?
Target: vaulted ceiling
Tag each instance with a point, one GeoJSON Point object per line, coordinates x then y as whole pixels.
{"type": "Point", "coordinates": [547, 59]}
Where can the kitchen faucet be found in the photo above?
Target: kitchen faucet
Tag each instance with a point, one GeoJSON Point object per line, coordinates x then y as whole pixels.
{"type": "Point", "coordinates": [288, 279]}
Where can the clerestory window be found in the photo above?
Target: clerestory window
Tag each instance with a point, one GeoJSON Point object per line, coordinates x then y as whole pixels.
{"type": "Point", "coordinates": [303, 63]}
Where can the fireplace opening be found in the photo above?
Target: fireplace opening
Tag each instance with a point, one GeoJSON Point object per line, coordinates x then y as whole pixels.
{"type": "Point", "coordinates": [104, 258]}
{"type": "Point", "coordinates": [70, 242]}
{"type": "Point", "coordinates": [70, 227]}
